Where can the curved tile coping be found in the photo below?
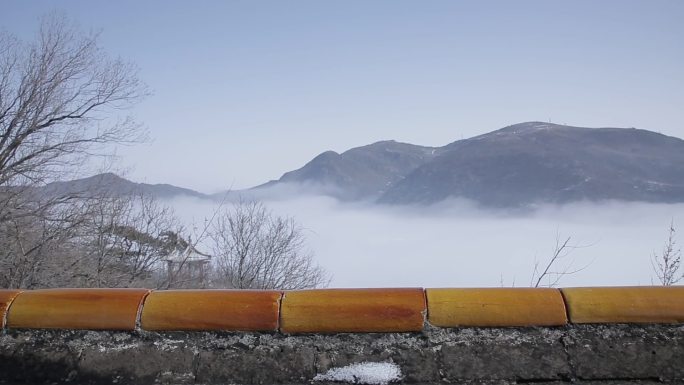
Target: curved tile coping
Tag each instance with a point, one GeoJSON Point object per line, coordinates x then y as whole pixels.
{"type": "Point", "coordinates": [236, 310]}
{"type": "Point", "coordinates": [91, 309]}
{"type": "Point", "coordinates": [6, 297]}
{"type": "Point", "coordinates": [337, 310]}
{"type": "Point", "coordinates": [352, 310]}
{"type": "Point", "coordinates": [495, 307]}
{"type": "Point", "coordinates": [639, 304]}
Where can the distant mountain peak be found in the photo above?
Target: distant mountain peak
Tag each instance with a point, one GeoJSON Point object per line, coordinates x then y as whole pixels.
{"type": "Point", "coordinates": [112, 183]}
{"type": "Point", "coordinates": [359, 173]}
{"type": "Point", "coordinates": [532, 127]}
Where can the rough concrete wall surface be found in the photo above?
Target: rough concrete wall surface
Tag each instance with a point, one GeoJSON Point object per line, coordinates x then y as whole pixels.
{"type": "Point", "coordinates": [578, 354]}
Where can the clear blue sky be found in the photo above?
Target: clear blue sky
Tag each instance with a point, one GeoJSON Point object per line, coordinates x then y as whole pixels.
{"type": "Point", "coordinates": [246, 90]}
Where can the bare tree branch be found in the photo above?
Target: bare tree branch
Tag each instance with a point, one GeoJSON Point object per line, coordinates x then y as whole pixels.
{"type": "Point", "coordinates": [666, 264]}
{"type": "Point", "coordinates": [561, 250]}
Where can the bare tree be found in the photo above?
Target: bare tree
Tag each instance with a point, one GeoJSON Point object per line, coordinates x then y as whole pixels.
{"type": "Point", "coordinates": [103, 241]}
{"type": "Point", "coordinates": [125, 239]}
{"type": "Point", "coordinates": [666, 264]}
{"type": "Point", "coordinates": [56, 95]}
{"type": "Point", "coordinates": [36, 248]}
{"type": "Point", "coordinates": [255, 249]}
{"type": "Point", "coordinates": [60, 99]}
{"type": "Point", "coordinates": [56, 98]}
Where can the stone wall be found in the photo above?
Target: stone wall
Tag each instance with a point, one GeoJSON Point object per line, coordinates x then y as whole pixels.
{"type": "Point", "coordinates": [446, 336]}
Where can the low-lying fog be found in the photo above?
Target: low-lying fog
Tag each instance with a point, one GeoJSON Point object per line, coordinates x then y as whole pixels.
{"type": "Point", "coordinates": [457, 245]}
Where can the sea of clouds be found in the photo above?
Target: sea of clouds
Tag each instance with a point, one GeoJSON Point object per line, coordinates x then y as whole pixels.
{"type": "Point", "coordinates": [456, 244]}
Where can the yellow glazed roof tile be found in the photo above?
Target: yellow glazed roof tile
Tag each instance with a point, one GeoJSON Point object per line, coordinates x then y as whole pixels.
{"type": "Point", "coordinates": [353, 310]}
{"type": "Point", "coordinates": [93, 309]}
{"type": "Point", "coordinates": [6, 297]}
{"type": "Point", "coordinates": [645, 304]}
{"type": "Point", "coordinates": [494, 307]}
{"type": "Point", "coordinates": [235, 310]}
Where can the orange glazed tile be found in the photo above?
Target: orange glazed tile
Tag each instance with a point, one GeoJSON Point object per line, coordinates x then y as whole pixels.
{"type": "Point", "coordinates": [6, 297]}
{"type": "Point", "coordinates": [352, 310]}
{"type": "Point", "coordinates": [235, 310]}
{"type": "Point", "coordinates": [495, 307]}
{"type": "Point", "coordinates": [92, 309]}
{"type": "Point", "coordinates": [646, 304]}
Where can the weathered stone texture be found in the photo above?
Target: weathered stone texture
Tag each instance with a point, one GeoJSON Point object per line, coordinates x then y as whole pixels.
{"type": "Point", "coordinates": [577, 354]}
{"type": "Point", "coordinates": [626, 351]}
{"type": "Point", "coordinates": [529, 354]}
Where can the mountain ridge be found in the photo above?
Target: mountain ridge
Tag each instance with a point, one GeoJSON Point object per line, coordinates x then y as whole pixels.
{"type": "Point", "coordinates": [528, 163]}
{"type": "Point", "coordinates": [518, 165]}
